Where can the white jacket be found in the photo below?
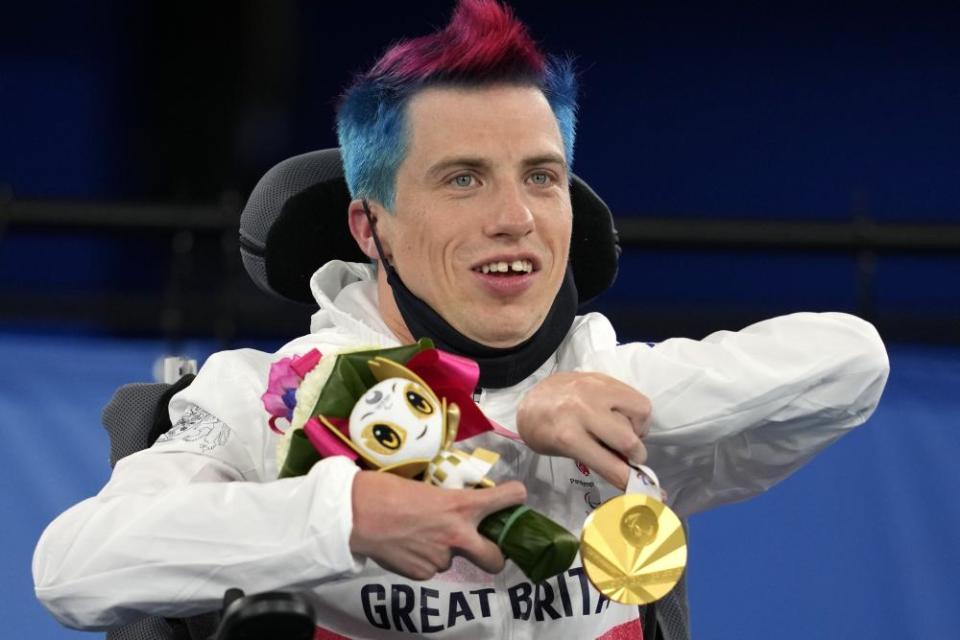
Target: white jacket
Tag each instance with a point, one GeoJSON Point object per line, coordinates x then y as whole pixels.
{"type": "Point", "coordinates": [202, 511]}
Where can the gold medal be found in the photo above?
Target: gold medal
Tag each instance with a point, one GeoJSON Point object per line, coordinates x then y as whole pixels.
{"type": "Point", "coordinates": [634, 549]}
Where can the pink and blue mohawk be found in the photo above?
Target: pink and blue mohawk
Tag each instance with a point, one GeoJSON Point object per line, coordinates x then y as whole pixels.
{"type": "Point", "coordinates": [483, 44]}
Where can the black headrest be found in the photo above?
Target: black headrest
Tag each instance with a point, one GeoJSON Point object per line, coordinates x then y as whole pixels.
{"type": "Point", "coordinates": [296, 220]}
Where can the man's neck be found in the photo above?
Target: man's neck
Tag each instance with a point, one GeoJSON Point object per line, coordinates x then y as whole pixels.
{"type": "Point", "coordinates": [499, 367]}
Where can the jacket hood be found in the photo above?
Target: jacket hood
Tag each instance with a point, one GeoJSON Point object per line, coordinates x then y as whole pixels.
{"type": "Point", "coordinates": [346, 293]}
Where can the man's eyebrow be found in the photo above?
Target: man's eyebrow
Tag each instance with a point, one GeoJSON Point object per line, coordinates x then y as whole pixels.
{"type": "Point", "coordinates": [547, 158]}
{"type": "Point", "coordinates": [472, 162]}
{"type": "Point", "coordinates": [467, 162]}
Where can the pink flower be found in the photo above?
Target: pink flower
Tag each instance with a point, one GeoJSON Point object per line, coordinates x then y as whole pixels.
{"type": "Point", "coordinates": [284, 378]}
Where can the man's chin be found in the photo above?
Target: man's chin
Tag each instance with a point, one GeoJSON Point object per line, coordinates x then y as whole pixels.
{"type": "Point", "coordinates": [500, 334]}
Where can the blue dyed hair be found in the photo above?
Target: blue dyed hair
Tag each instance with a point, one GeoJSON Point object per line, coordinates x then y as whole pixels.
{"type": "Point", "coordinates": [483, 45]}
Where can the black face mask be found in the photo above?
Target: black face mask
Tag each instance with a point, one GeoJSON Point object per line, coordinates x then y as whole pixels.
{"type": "Point", "coordinates": [498, 367]}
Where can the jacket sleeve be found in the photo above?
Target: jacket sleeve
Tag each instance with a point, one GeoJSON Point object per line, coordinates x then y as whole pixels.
{"type": "Point", "coordinates": [192, 516]}
{"type": "Point", "coordinates": [172, 531]}
{"type": "Point", "coordinates": [737, 412]}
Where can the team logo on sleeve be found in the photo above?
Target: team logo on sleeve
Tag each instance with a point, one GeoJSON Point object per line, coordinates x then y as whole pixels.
{"type": "Point", "coordinates": [199, 428]}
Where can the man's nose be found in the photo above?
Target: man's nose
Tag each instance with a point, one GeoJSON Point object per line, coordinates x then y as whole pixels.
{"type": "Point", "coordinates": [511, 215]}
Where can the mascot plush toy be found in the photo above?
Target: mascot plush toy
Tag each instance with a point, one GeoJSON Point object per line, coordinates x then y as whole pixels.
{"type": "Point", "coordinates": [400, 411]}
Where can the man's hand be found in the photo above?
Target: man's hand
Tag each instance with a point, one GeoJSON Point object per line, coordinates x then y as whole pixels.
{"type": "Point", "coordinates": [414, 528]}
{"type": "Point", "coordinates": [589, 417]}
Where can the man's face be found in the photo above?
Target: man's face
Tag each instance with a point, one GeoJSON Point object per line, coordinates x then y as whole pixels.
{"type": "Point", "coordinates": [482, 222]}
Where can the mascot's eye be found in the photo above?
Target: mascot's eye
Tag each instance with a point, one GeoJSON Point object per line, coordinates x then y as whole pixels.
{"type": "Point", "coordinates": [382, 437]}
{"type": "Point", "coordinates": [387, 436]}
{"type": "Point", "coordinates": [418, 402]}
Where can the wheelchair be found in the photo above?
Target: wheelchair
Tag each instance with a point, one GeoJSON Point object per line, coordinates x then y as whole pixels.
{"type": "Point", "coordinates": [292, 224]}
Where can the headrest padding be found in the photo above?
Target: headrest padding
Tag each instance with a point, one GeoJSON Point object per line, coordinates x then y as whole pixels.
{"type": "Point", "coordinates": [296, 221]}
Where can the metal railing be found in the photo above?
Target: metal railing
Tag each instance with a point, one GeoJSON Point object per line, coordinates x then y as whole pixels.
{"type": "Point", "coordinates": [234, 307]}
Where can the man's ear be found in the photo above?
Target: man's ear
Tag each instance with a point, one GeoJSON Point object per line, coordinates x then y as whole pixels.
{"type": "Point", "coordinates": [362, 232]}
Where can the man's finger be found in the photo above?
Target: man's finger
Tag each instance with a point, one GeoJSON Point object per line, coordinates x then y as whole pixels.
{"type": "Point", "coordinates": [606, 463]}
{"type": "Point", "coordinates": [483, 553]}
{"type": "Point", "coordinates": [630, 402]}
{"type": "Point", "coordinates": [599, 448]}
{"type": "Point", "coordinates": [413, 567]}
{"type": "Point", "coordinates": [638, 454]}
{"type": "Point", "coordinates": [632, 448]}
{"type": "Point", "coordinates": [615, 430]}
{"type": "Point", "coordinates": [487, 501]}
{"type": "Point", "coordinates": [639, 424]}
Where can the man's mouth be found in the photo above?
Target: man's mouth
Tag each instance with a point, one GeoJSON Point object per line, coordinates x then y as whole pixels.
{"type": "Point", "coordinates": [503, 267]}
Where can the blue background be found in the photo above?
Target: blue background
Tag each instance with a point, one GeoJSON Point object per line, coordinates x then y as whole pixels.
{"type": "Point", "coordinates": [861, 543]}
{"type": "Point", "coordinates": [758, 111]}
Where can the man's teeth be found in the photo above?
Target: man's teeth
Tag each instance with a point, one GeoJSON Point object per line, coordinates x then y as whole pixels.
{"type": "Point", "coordinates": [517, 266]}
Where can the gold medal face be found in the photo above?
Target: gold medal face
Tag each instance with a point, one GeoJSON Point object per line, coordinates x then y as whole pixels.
{"type": "Point", "coordinates": [634, 549]}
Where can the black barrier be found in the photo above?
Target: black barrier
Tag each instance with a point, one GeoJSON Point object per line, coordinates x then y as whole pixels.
{"type": "Point", "coordinates": [204, 290]}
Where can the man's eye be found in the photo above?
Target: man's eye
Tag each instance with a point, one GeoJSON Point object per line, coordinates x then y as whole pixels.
{"type": "Point", "coordinates": [464, 180]}
{"type": "Point", "coordinates": [540, 178]}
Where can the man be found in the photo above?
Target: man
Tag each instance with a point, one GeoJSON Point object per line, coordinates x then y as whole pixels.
{"type": "Point", "coordinates": [457, 147]}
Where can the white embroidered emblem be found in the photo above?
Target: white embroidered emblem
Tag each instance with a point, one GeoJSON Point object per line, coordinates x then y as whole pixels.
{"type": "Point", "coordinates": [199, 427]}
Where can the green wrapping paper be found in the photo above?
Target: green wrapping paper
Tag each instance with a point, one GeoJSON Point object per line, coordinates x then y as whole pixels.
{"type": "Point", "coordinates": [534, 542]}
{"type": "Point", "coordinates": [300, 458]}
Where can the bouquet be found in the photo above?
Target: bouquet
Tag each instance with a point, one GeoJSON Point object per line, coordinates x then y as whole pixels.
{"type": "Point", "coordinates": [400, 411]}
